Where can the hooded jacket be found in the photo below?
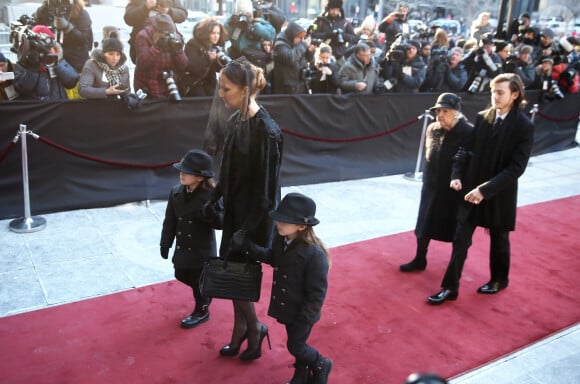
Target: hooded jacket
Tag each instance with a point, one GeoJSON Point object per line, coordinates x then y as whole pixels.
{"type": "Point", "coordinates": [289, 60]}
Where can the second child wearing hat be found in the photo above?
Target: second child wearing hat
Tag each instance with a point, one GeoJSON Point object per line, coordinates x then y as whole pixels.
{"type": "Point", "coordinates": [191, 223]}
{"type": "Point", "coordinates": [439, 203]}
{"type": "Point", "coordinates": [106, 73]}
{"type": "Point", "coordinates": [300, 281]}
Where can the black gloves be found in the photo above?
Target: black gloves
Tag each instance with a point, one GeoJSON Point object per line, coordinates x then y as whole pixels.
{"type": "Point", "coordinates": [62, 24]}
{"type": "Point", "coordinates": [238, 240]}
{"type": "Point", "coordinates": [164, 252]}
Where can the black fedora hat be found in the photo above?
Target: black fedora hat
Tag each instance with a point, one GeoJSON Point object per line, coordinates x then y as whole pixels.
{"type": "Point", "coordinates": [296, 208]}
{"type": "Point", "coordinates": [448, 100]}
{"type": "Point", "coordinates": [196, 162]}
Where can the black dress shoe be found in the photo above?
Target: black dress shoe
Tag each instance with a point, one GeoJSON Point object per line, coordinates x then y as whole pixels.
{"type": "Point", "coordinates": [413, 265]}
{"type": "Point", "coordinates": [443, 296]}
{"type": "Point", "coordinates": [492, 287]}
{"type": "Point", "coordinates": [195, 319]}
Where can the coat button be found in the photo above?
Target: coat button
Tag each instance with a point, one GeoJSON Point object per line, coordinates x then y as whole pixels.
{"type": "Point", "coordinates": [285, 276]}
{"type": "Point", "coordinates": [282, 304]}
{"type": "Point", "coordinates": [283, 289]}
{"type": "Point", "coordinates": [188, 235]}
{"type": "Point", "coordinates": [178, 247]}
{"type": "Point", "coordinates": [273, 297]}
{"type": "Point", "coordinates": [180, 218]}
{"type": "Point", "coordinates": [189, 221]}
{"type": "Point", "coordinates": [274, 282]}
{"type": "Point", "coordinates": [178, 233]}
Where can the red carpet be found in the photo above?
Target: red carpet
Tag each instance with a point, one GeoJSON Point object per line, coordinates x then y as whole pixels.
{"type": "Point", "coordinates": [376, 325]}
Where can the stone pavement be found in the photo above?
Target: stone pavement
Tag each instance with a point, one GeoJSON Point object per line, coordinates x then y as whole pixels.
{"type": "Point", "coordinates": [92, 252]}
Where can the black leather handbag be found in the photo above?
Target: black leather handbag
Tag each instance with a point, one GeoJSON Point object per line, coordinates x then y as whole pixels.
{"type": "Point", "coordinates": [234, 280]}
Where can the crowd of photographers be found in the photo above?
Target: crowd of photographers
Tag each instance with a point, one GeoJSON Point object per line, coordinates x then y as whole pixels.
{"type": "Point", "coordinates": [57, 60]}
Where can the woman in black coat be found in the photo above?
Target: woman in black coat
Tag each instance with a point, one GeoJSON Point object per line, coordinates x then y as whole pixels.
{"type": "Point", "coordinates": [205, 55]}
{"type": "Point", "coordinates": [249, 185]}
{"type": "Point", "coordinates": [438, 207]}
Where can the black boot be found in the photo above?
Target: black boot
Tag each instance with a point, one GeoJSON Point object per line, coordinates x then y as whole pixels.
{"type": "Point", "coordinates": [300, 374]}
{"type": "Point", "coordinates": [414, 265]}
{"type": "Point", "coordinates": [419, 263]}
{"type": "Point", "coordinates": [199, 316]}
{"type": "Point", "coordinates": [320, 370]}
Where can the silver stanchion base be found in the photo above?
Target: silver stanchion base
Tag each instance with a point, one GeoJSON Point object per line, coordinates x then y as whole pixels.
{"type": "Point", "coordinates": [26, 225]}
{"type": "Point", "coordinates": [414, 176]}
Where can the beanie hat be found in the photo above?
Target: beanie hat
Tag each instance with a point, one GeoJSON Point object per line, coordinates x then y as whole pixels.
{"type": "Point", "coordinates": [526, 49]}
{"type": "Point", "coordinates": [243, 7]}
{"type": "Point", "coordinates": [112, 44]}
{"type": "Point", "coordinates": [416, 43]}
{"type": "Point", "coordinates": [500, 45]}
{"type": "Point", "coordinates": [43, 29]}
{"type": "Point", "coordinates": [163, 23]}
{"type": "Point", "coordinates": [547, 32]}
{"type": "Point", "coordinates": [546, 59]}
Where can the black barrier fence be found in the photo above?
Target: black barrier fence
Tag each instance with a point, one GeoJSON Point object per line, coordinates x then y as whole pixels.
{"type": "Point", "coordinates": [98, 153]}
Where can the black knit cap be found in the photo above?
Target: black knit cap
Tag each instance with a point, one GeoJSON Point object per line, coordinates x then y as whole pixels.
{"type": "Point", "coordinates": [112, 44]}
{"type": "Point", "coordinates": [334, 4]}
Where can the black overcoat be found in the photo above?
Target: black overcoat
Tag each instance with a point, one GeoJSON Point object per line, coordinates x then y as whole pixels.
{"type": "Point", "coordinates": [438, 207]}
{"type": "Point", "coordinates": [499, 157]}
{"type": "Point", "coordinates": [300, 280]}
{"type": "Point", "coordinates": [250, 178]}
{"type": "Point", "coordinates": [193, 231]}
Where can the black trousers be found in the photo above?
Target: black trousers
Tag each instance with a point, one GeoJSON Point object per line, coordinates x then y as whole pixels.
{"type": "Point", "coordinates": [499, 255]}
{"type": "Point", "coordinates": [190, 277]}
{"type": "Point", "coordinates": [298, 332]}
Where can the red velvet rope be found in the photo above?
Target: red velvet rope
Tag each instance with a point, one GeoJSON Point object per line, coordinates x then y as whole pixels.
{"type": "Point", "coordinates": [92, 158]}
{"type": "Point", "coordinates": [573, 117]}
{"type": "Point", "coordinates": [350, 140]}
{"type": "Point", "coordinates": [6, 150]}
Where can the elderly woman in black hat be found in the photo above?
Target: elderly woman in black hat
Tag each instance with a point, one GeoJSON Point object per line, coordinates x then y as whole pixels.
{"type": "Point", "coordinates": [192, 225]}
{"type": "Point", "coordinates": [105, 73]}
{"type": "Point", "coordinates": [443, 139]}
{"type": "Point", "coordinates": [300, 282]}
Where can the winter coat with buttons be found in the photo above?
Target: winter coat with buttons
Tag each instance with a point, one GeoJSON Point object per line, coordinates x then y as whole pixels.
{"type": "Point", "coordinates": [300, 280]}
{"type": "Point", "coordinates": [193, 231]}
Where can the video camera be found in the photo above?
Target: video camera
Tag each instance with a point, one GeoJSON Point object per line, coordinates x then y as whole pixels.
{"type": "Point", "coordinates": [32, 49]}
{"type": "Point", "coordinates": [132, 100]}
{"type": "Point", "coordinates": [398, 49]}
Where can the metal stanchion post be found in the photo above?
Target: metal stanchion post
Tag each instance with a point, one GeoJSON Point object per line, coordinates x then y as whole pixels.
{"type": "Point", "coordinates": [27, 223]}
{"type": "Point", "coordinates": [417, 175]}
{"type": "Point", "coordinates": [535, 109]}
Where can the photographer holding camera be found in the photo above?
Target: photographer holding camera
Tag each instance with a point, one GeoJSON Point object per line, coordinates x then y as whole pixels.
{"type": "Point", "coordinates": [292, 53]}
{"type": "Point", "coordinates": [106, 73]}
{"type": "Point", "coordinates": [246, 32]}
{"type": "Point", "coordinates": [160, 58]}
{"type": "Point", "coordinates": [520, 64]}
{"type": "Point", "coordinates": [446, 73]}
{"type": "Point", "coordinates": [41, 72]}
{"type": "Point", "coordinates": [394, 25]}
{"type": "Point", "coordinates": [324, 72]}
{"type": "Point", "coordinates": [72, 24]}
{"type": "Point", "coordinates": [403, 68]}
{"type": "Point", "coordinates": [333, 28]}
{"type": "Point", "coordinates": [206, 57]}
{"type": "Point", "coordinates": [138, 12]}
{"type": "Point", "coordinates": [482, 65]}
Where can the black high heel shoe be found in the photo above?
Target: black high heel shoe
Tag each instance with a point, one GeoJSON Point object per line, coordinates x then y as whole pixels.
{"type": "Point", "coordinates": [228, 350]}
{"type": "Point", "coordinates": [254, 354]}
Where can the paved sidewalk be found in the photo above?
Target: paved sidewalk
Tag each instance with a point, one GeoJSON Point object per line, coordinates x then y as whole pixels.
{"type": "Point", "coordinates": [92, 252]}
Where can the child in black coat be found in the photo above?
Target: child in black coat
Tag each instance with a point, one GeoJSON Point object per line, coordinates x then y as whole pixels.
{"type": "Point", "coordinates": [191, 221]}
{"type": "Point", "coordinates": [300, 281]}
